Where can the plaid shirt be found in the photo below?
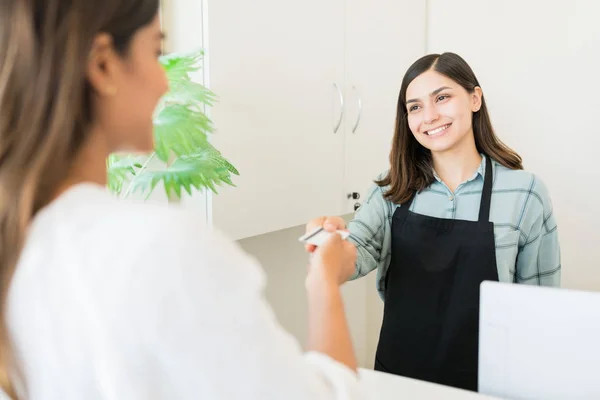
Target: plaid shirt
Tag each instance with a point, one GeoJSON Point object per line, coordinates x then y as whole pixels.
{"type": "Point", "coordinates": [527, 248]}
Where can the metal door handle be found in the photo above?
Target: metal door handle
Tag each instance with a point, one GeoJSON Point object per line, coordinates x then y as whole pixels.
{"type": "Point", "coordinates": [337, 126]}
{"type": "Point", "coordinates": [359, 110]}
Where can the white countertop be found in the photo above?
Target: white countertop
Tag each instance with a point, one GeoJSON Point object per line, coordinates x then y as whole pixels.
{"type": "Point", "coordinates": [382, 386]}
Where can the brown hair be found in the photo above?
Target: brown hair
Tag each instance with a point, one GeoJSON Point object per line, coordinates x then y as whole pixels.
{"type": "Point", "coordinates": [45, 111]}
{"type": "Point", "coordinates": [411, 166]}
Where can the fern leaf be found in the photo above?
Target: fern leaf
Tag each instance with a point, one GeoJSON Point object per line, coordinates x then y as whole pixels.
{"type": "Point", "coordinates": [205, 169]}
{"type": "Point", "coordinates": [180, 129]}
{"type": "Point", "coordinates": [121, 168]}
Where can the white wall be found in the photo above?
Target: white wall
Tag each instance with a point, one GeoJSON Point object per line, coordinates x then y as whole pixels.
{"type": "Point", "coordinates": [538, 62]}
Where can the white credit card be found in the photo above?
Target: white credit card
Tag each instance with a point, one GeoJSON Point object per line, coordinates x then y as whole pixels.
{"type": "Point", "coordinates": [319, 235]}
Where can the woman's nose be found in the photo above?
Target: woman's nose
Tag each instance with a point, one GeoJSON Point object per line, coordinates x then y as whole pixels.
{"type": "Point", "coordinates": [430, 115]}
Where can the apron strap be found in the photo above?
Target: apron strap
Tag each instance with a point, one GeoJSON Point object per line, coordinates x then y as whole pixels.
{"type": "Point", "coordinates": [406, 205]}
{"type": "Point", "coordinates": [486, 194]}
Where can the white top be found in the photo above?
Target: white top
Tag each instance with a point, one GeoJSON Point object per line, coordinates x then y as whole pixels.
{"type": "Point", "coordinates": [115, 300]}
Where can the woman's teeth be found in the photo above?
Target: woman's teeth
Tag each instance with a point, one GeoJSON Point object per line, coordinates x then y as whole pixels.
{"type": "Point", "coordinates": [437, 130]}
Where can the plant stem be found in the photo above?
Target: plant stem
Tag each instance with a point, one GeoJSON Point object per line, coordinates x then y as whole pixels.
{"type": "Point", "coordinates": [144, 166]}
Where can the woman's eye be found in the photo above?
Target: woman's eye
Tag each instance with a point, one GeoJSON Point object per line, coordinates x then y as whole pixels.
{"type": "Point", "coordinates": [443, 97]}
{"type": "Point", "coordinates": [413, 108]}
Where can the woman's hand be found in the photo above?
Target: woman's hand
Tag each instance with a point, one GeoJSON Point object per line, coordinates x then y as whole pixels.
{"type": "Point", "coordinates": [330, 224]}
{"type": "Point", "coordinates": [332, 263]}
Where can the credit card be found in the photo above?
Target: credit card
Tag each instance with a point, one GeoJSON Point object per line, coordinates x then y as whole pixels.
{"type": "Point", "coordinates": [319, 235]}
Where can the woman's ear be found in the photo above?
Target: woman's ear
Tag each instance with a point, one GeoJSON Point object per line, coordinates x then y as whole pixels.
{"type": "Point", "coordinates": [476, 97]}
{"type": "Point", "coordinates": [102, 66]}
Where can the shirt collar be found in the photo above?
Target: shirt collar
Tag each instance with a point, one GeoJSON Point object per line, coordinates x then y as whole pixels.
{"type": "Point", "coordinates": [480, 171]}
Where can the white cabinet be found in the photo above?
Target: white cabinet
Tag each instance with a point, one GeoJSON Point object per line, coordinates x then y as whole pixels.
{"type": "Point", "coordinates": [285, 74]}
{"type": "Point", "coordinates": [273, 65]}
{"type": "Point", "coordinates": [383, 38]}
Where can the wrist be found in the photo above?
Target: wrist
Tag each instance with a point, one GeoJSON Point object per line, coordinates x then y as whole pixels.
{"type": "Point", "coordinates": [321, 285]}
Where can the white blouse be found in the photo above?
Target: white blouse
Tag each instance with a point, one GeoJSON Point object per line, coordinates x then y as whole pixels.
{"type": "Point", "coordinates": [118, 300]}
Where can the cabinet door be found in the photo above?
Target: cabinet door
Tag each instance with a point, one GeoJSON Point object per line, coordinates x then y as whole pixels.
{"type": "Point", "coordinates": [384, 37]}
{"type": "Point", "coordinates": [277, 68]}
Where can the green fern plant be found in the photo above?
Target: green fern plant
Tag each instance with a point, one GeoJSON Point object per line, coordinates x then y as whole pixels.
{"type": "Point", "coordinates": [183, 158]}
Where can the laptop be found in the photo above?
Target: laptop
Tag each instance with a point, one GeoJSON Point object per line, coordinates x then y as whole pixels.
{"type": "Point", "coordinates": [539, 342]}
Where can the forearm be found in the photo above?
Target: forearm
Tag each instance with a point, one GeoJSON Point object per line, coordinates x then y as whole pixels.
{"type": "Point", "coordinates": [365, 261]}
{"type": "Point", "coordinates": [370, 232]}
{"type": "Point", "coordinates": [328, 331]}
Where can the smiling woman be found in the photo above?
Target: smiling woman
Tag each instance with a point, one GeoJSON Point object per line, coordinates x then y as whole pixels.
{"type": "Point", "coordinates": [455, 209]}
{"type": "Point", "coordinates": [441, 112]}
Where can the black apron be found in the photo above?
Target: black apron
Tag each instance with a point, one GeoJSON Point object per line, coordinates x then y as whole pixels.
{"type": "Point", "coordinates": [431, 313]}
